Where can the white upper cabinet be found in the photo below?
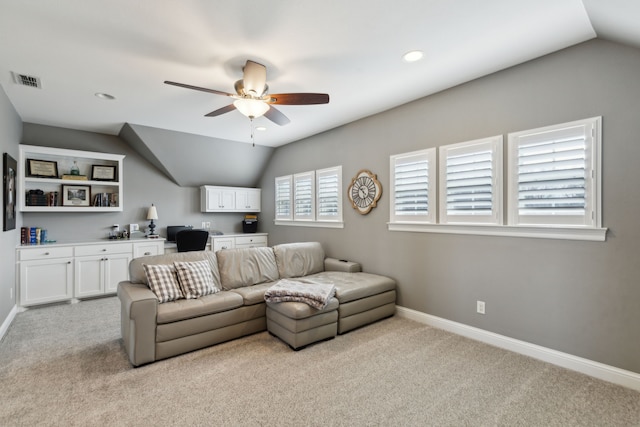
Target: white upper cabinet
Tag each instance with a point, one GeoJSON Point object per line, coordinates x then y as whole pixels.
{"type": "Point", "coordinates": [229, 199]}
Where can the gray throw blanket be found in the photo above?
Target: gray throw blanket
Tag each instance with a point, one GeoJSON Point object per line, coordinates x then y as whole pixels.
{"type": "Point", "coordinates": [317, 295]}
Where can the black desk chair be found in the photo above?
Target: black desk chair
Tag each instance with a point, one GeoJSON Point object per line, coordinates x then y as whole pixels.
{"type": "Point", "coordinates": [191, 240]}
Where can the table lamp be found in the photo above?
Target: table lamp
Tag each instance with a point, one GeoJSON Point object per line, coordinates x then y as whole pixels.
{"type": "Point", "coordinates": [152, 214]}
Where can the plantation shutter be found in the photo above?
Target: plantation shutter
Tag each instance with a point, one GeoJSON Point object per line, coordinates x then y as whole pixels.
{"type": "Point", "coordinates": [329, 194]}
{"type": "Point", "coordinates": [413, 197]}
{"type": "Point", "coordinates": [471, 182]}
{"type": "Point", "coordinates": [303, 196]}
{"type": "Point", "coordinates": [283, 197]}
{"type": "Point", "coordinates": [554, 176]}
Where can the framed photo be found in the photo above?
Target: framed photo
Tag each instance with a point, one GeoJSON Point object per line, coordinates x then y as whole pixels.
{"type": "Point", "coordinates": [10, 176]}
{"type": "Point", "coordinates": [76, 195]}
{"type": "Point", "coordinates": [103, 173]}
{"type": "Point", "coordinates": [42, 168]}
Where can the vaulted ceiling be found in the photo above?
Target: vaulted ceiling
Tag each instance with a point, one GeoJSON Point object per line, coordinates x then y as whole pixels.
{"type": "Point", "coordinates": [351, 50]}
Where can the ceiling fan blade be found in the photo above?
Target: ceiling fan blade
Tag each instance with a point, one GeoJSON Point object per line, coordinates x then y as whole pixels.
{"type": "Point", "coordinates": [299, 98]}
{"type": "Point", "coordinates": [203, 89]}
{"type": "Point", "coordinates": [220, 111]}
{"type": "Point", "coordinates": [277, 117]}
{"type": "Point", "coordinates": [255, 78]}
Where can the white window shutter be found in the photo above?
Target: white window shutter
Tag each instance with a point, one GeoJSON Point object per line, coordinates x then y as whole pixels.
{"type": "Point", "coordinates": [413, 191]}
{"type": "Point", "coordinates": [329, 194]}
{"type": "Point", "coordinates": [552, 172]}
{"type": "Point", "coordinates": [284, 186]}
{"type": "Point", "coordinates": [471, 182]}
{"type": "Point", "coordinates": [304, 196]}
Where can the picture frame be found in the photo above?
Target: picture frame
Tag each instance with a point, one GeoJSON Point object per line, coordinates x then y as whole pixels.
{"type": "Point", "coordinates": [42, 168]}
{"type": "Point", "coordinates": [103, 173]}
{"type": "Point", "coordinates": [9, 180]}
{"type": "Point", "coordinates": [76, 195]}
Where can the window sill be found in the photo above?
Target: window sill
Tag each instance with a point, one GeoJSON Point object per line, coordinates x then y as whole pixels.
{"type": "Point", "coordinates": [320, 224]}
{"type": "Point", "coordinates": [566, 233]}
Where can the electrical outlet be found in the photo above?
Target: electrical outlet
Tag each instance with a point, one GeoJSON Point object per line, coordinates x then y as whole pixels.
{"type": "Point", "coordinates": [208, 225]}
{"type": "Point", "coordinates": [204, 225]}
{"type": "Point", "coordinates": [480, 307]}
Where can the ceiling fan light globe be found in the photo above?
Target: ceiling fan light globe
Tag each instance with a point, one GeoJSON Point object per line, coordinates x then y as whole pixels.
{"type": "Point", "coordinates": [251, 108]}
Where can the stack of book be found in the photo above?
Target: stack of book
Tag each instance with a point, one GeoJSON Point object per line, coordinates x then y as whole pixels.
{"type": "Point", "coordinates": [105, 200]}
{"type": "Point", "coordinates": [32, 235]}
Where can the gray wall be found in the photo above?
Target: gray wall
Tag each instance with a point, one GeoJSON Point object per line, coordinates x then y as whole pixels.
{"type": "Point", "coordinates": [10, 134]}
{"type": "Point", "coordinates": [577, 297]}
{"type": "Point", "coordinates": [143, 185]}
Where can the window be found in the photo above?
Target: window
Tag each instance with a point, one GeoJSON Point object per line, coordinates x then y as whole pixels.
{"type": "Point", "coordinates": [284, 185]}
{"type": "Point", "coordinates": [312, 199]}
{"type": "Point", "coordinates": [471, 182]}
{"type": "Point", "coordinates": [554, 175]}
{"type": "Point", "coordinates": [413, 190]}
{"type": "Point", "coordinates": [304, 196]}
{"type": "Point", "coordinates": [329, 194]}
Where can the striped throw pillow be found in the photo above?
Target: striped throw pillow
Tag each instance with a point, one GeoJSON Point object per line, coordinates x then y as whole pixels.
{"type": "Point", "coordinates": [195, 278]}
{"type": "Point", "coordinates": [163, 281]}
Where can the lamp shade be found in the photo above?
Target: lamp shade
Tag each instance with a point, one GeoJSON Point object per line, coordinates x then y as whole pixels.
{"type": "Point", "coordinates": [152, 213]}
{"type": "Point", "coordinates": [251, 108]}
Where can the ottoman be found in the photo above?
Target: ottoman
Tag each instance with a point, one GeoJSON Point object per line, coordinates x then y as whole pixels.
{"type": "Point", "coordinates": [299, 324]}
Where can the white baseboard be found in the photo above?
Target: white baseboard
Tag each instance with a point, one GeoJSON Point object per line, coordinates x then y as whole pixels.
{"type": "Point", "coordinates": [7, 322]}
{"type": "Point", "coordinates": [589, 367]}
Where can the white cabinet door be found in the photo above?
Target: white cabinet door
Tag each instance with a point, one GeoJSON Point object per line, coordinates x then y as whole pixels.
{"type": "Point", "coordinates": [89, 274]}
{"type": "Point", "coordinates": [248, 200]}
{"type": "Point", "coordinates": [45, 281]}
{"type": "Point", "coordinates": [100, 274]}
{"type": "Point", "coordinates": [218, 200]}
{"type": "Point", "coordinates": [116, 270]}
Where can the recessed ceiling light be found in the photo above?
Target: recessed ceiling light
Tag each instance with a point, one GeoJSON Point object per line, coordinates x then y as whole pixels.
{"type": "Point", "coordinates": [104, 96]}
{"type": "Point", "coordinates": [413, 56]}
{"type": "Point", "coordinates": [261, 128]}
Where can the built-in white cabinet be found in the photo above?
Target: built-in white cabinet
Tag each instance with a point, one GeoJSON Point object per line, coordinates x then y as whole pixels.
{"type": "Point", "coordinates": [219, 243]}
{"type": "Point", "coordinates": [45, 275]}
{"type": "Point", "coordinates": [61, 272]}
{"type": "Point", "coordinates": [61, 180]}
{"type": "Point", "coordinates": [248, 200]}
{"type": "Point", "coordinates": [229, 199]}
{"type": "Point", "coordinates": [99, 268]}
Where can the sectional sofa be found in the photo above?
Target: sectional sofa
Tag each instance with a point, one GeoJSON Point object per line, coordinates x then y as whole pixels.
{"type": "Point", "coordinates": [153, 329]}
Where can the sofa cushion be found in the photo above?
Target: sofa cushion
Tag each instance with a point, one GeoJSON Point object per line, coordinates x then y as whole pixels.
{"type": "Point", "coordinates": [137, 274]}
{"type": "Point", "coordinates": [163, 282]}
{"type": "Point", "coordinates": [190, 308]}
{"type": "Point", "coordinates": [353, 286]}
{"type": "Point", "coordinates": [253, 294]}
{"type": "Point", "coordinates": [195, 278]}
{"type": "Point", "coordinates": [299, 259]}
{"type": "Point", "coordinates": [246, 267]}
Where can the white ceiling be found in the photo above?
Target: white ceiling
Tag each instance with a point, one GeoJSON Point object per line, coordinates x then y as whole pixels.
{"type": "Point", "coordinates": [349, 49]}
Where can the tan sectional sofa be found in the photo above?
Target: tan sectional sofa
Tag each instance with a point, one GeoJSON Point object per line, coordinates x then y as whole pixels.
{"type": "Point", "coordinates": [153, 331]}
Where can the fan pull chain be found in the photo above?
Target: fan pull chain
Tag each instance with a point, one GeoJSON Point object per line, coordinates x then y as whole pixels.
{"type": "Point", "coordinates": [253, 143]}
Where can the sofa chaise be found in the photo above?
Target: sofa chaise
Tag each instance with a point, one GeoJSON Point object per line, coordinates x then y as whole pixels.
{"type": "Point", "coordinates": [153, 330]}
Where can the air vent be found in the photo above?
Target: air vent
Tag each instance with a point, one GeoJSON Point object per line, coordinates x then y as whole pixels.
{"type": "Point", "coordinates": [26, 80]}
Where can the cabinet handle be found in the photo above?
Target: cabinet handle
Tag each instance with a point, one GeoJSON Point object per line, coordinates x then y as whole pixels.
{"type": "Point", "coordinates": [47, 253]}
{"type": "Point", "coordinates": [147, 253]}
{"type": "Point", "coordinates": [104, 250]}
{"type": "Point", "coordinates": [68, 262]}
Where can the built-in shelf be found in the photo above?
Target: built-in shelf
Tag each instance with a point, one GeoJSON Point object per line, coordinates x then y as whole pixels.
{"type": "Point", "coordinates": [104, 194]}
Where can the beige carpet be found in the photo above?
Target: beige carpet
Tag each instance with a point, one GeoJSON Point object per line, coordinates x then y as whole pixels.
{"type": "Point", "coordinates": [64, 365]}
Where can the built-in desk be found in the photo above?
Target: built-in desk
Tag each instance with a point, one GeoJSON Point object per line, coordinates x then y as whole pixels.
{"type": "Point", "coordinates": [228, 241]}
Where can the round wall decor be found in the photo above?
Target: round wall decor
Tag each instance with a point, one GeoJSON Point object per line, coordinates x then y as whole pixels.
{"type": "Point", "coordinates": [364, 191]}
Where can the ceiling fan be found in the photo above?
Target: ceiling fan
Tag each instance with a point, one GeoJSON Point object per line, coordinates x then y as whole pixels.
{"type": "Point", "coordinates": [252, 98]}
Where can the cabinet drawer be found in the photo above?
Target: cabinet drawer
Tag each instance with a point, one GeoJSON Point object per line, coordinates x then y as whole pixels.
{"type": "Point", "coordinates": [110, 248]}
{"type": "Point", "coordinates": [142, 249]}
{"type": "Point", "coordinates": [251, 240]}
{"type": "Point", "coordinates": [45, 253]}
